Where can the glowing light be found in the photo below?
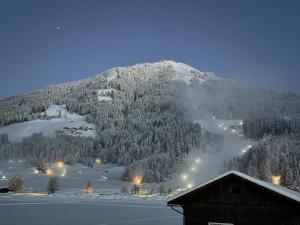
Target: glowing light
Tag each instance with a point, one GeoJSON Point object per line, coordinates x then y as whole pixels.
{"type": "Point", "coordinates": [184, 176]}
{"type": "Point", "coordinates": [189, 186]}
{"type": "Point", "coordinates": [241, 123]}
{"type": "Point", "coordinates": [10, 161]}
{"type": "Point", "coordinates": [220, 125]}
{"type": "Point", "coordinates": [225, 128]}
{"type": "Point", "coordinates": [31, 194]}
{"type": "Point", "coordinates": [137, 180]}
{"type": "Point", "coordinates": [3, 177]}
{"type": "Point", "coordinates": [64, 173]}
{"type": "Point", "coordinates": [35, 171]}
{"type": "Point", "coordinates": [98, 161]}
{"type": "Point", "coordinates": [60, 164]}
{"type": "Point", "coordinates": [245, 149]}
{"type": "Point", "coordinates": [49, 172]}
{"type": "Point", "coordinates": [276, 179]}
{"type": "Point", "coordinates": [233, 130]}
{"type": "Point", "coordinates": [213, 117]}
{"type": "Point", "coordinates": [193, 168]}
{"type": "Point", "coordinates": [197, 160]}
{"type": "Point", "coordinates": [104, 178]}
{"type": "Point", "coordinates": [37, 194]}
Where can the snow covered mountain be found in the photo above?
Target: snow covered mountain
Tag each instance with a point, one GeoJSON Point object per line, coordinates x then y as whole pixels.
{"type": "Point", "coordinates": [141, 116]}
{"type": "Point", "coordinates": [122, 79]}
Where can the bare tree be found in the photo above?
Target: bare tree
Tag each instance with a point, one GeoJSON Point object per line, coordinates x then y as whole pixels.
{"type": "Point", "coordinates": [135, 188]}
{"type": "Point", "coordinates": [16, 184]}
{"type": "Point", "coordinates": [53, 185]}
{"type": "Point", "coordinates": [161, 189]}
{"type": "Point", "coordinates": [124, 189]}
{"type": "Point", "coordinates": [169, 191]}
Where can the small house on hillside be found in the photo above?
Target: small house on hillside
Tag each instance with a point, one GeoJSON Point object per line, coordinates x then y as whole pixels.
{"type": "Point", "coordinates": [238, 199]}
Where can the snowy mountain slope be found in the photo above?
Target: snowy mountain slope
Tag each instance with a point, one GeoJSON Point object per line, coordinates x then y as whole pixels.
{"type": "Point", "coordinates": [175, 70]}
{"type": "Point", "coordinates": [84, 92]}
{"type": "Point", "coordinates": [78, 96]}
{"type": "Point", "coordinates": [143, 116]}
{"type": "Point", "coordinates": [51, 116]}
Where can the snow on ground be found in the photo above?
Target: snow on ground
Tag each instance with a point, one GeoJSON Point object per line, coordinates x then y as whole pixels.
{"type": "Point", "coordinates": [86, 214]}
{"type": "Point", "coordinates": [75, 125]}
{"type": "Point", "coordinates": [182, 72]}
{"type": "Point", "coordinates": [70, 177]}
{"type": "Point", "coordinates": [104, 94]}
{"type": "Point", "coordinates": [111, 76]}
{"type": "Point", "coordinates": [186, 73]}
{"type": "Point", "coordinates": [71, 182]}
{"type": "Point", "coordinates": [70, 205]}
{"type": "Point", "coordinates": [36, 212]}
{"type": "Point", "coordinates": [176, 70]}
{"type": "Point", "coordinates": [80, 195]}
{"type": "Point", "coordinates": [56, 111]}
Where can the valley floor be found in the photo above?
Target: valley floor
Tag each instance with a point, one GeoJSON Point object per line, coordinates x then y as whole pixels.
{"type": "Point", "coordinates": [36, 211]}
{"type": "Point", "coordinates": [106, 206]}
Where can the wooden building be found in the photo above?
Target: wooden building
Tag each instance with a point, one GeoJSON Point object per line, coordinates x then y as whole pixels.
{"type": "Point", "coordinates": [238, 199]}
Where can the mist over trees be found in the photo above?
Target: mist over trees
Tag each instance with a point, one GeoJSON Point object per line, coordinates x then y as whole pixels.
{"type": "Point", "coordinates": [277, 152]}
{"type": "Point", "coordinates": [273, 156]}
{"type": "Point", "coordinates": [258, 127]}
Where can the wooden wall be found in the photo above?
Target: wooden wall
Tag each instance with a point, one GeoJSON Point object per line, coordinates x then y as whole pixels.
{"type": "Point", "coordinates": [236, 201]}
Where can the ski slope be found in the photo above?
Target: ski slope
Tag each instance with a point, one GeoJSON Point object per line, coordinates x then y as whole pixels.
{"type": "Point", "coordinates": [207, 166]}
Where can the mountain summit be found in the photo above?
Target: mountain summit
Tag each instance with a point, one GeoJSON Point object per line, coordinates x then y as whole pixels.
{"type": "Point", "coordinates": [176, 70]}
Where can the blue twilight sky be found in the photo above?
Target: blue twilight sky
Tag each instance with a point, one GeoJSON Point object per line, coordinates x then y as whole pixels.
{"type": "Point", "coordinates": [50, 41]}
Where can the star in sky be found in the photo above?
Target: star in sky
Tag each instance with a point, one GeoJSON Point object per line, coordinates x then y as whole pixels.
{"type": "Point", "coordinates": [58, 28]}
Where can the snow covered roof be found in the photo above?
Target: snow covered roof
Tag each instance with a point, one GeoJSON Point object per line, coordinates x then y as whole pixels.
{"type": "Point", "coordinates": [293, 195]}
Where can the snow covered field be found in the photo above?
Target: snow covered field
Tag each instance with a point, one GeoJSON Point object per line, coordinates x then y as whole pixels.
{"type": "Point", "coordinates": [57, 118]}
{"type": "Point", "coordinates": [32, 212]}
{"type": "Point", "coordinates": [105, 177]}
